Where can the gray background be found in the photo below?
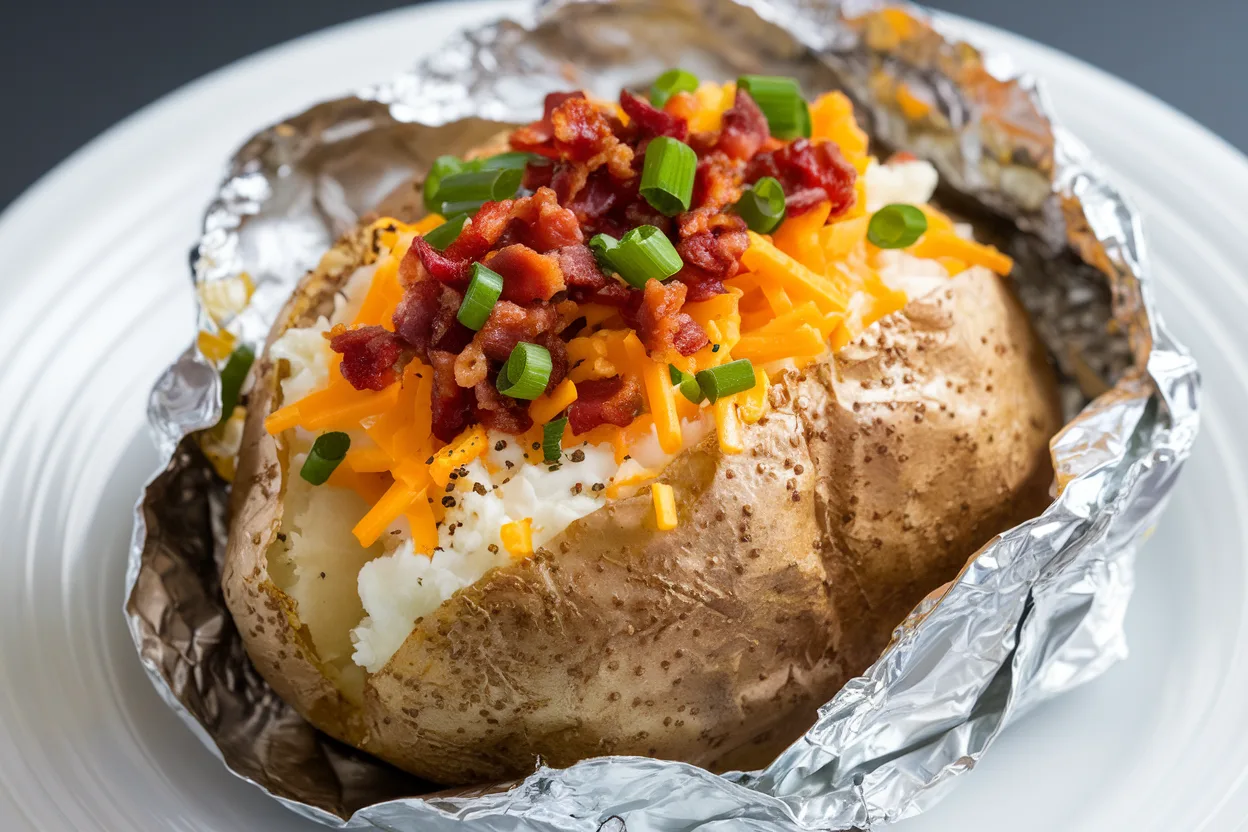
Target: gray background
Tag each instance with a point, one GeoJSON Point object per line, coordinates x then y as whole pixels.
{"type": "Point", "coordinates": [71, 68]}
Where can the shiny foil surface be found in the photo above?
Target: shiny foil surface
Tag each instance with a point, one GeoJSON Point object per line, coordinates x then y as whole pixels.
{"type": "Point", "coordinates": [1036, 612]}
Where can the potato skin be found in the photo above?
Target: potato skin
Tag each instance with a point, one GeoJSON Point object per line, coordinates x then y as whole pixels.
{"type": "Point", "coordinates": [874, 477]}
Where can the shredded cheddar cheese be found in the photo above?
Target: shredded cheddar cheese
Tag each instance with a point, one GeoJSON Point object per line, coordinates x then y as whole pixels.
{"type": "Point", "coordinates": [464, 449]}
{"type": "Point", "coordinates": [518, 537]}
{"type": "Point", "coordinates": [664, 506]}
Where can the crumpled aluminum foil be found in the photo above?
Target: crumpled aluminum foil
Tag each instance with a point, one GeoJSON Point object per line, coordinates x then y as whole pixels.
{"type": "Point", "coordinates": [1036, 612]}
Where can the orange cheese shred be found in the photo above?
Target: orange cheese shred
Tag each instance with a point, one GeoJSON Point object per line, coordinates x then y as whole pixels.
{"type": "Point", "coordinates": [728, 427]}
{"type": "Point", "coordinates": [216, 346]}
{"type": "Point", "coordinates": [664, 506]}
{"type": "Point", "coordinates": [463, 449]}
{"type": "Point", "coordinates": [397, 499]}
{"type": "Point", "coordinates": [936, 244]}
{"type": "Point", "coordinates": [337, 407]}
{"type": "Point", "coordinates": [801, 342]}
{"type": "Point", "coordinates": [518, 537]}
{"type": "Point", "coordinates": [770, 263]}
{"type": "Point", "coordinates": [369, 459]}
{"type": "Point", "coordinates": [752, 404]}
{"type": "Point", "coordinates": [659, 394]}
{"type": "Point", "coordinates": [424, 526]}
{"type": "Point", "coordinates": [548, 405]}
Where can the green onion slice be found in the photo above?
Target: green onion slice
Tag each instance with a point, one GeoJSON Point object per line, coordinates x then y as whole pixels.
{"type": "Point", "coordinates": [670, 83]}
{"type": "Point", "coordinates": [446, 233]}
{"type": "Point", "coordinates": [467, 191]}
{"type": "Point", "coordinates": [781, 101]}
{"type": "Point", "coordinates": [328, 450]}
{"type": "Point", "coordinates": [552, 439]}
{"type": "Point", "coordinates": [483, 291]}
{"type": "Point", "coordinates": [233, 374]}
{"type": "Point", "coordinates": [644, 254]}
{"type": "Point", "coordinates": [667, 176]}
{"type": "Point", "coordinates": [726, 379]}
{"type": "Point", "coordinates": [602, 245]}
{"type": "Point", "coordinates": [896, 226]}
{"type": "Point", "coordinates": [442, 167]}
{"type": "Point", "coordinates": [526, 372]}
{"type": "Point", "coordinates": [512, 160]}
{"type": "Point", "coordinates": [687, 382]}
{"type": "Point", "coordinates": [762, 205]}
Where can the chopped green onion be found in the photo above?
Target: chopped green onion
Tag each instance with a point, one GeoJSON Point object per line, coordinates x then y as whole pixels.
{"type": "Point", "coordinates": [552, 439]}
{"type": "Point", "coordinates": [762, 205]}
{"type": "Point", "coordinates": [667, 176]}
{"type": "Point", "coordinates": [467, 191]}
{"type": "Point", "coordinates": [328, 450]}
{"type": "Point", "coordinates": [442, 167]}
{"type": "Point", "coordinates": [483, 291]}
{"type": "Point", "coordinates": [670, 83]}
{"type": "Point", "coordinates": [526, 372]}
{"type": "Point", "coordinates": [602, 245]}
{"type": "Point", "coordinates": [896, 226]}
{"type": "Point", "coordinates": [781, 101]}
{"type": "Point", "coordinates": [512, 160]}
{"type": "Point", "coordinates": [726, 379]}
{"type": "Point", "coordinates": [446, 233]}
{"type": "Point", "coordinates": [643, 254]}
{"type": "Point", "coordinates": [233, 374]}
{"type": "Point", "coordinates": [687, 382]}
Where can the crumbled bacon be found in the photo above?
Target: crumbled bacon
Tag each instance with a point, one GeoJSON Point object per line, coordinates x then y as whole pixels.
{"type": "Point", "coordinates": [591, 201]}
{"type": "Point", "coordinates": [425, 318]}
{"type": "Point", "coordinates": [574, 129]}
{"type": "Point", "coordinates": [510, 323]}
{"type": "Point", "coordinates": [661, 325]}
{"type": "Point", "coordinates": [436, 264]}
{"type": "Point", "coordinates": [580, 268]}
{"type": "Point", "coordinates": [558, 358]}
{"type": "Point", "coordinates": [543, 224]}
{"type": "Point", "coordinates": [650, 120]}
{"type": "Point", "coordinates": [717, 183]}
{"type": "Point", "coordinates": [370, 355]}
{"type": "Point", "coordinates": [527, 276]}
{"type": "Point", "coordinates": [498, 412]}
{"type": "Point", "coordinates": [451, 405]}
{"type": "Point", "coordinates": [810, 173]}
{"type": "Point", "coordinates": [744, 128]}
{"type": "Point", "coordinates": [711, 247]}
{"type": "Point", "coordinates": [605, 401]}
{"type": "Point", "coordinates": [537, 175]}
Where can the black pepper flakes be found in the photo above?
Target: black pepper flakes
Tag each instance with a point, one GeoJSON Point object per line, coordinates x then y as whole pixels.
{"type": "Point", "coordinates": [578, 455]}
{"type": "Point", "coordinates": [448, 501]}
{"type": "Point", "coordinates": [493, 548]}
{"type": "Point", "coordinates": [500, 444]}
{"type": "Point", "coordinates": [478, 488]}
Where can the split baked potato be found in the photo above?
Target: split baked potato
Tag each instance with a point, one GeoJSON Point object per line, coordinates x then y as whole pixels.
{"type": "Point", "coordinates": [693, 599]}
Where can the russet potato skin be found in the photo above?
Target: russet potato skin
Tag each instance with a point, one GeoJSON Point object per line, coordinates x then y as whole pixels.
{"type": "Point", "coordinates": [875, 476]}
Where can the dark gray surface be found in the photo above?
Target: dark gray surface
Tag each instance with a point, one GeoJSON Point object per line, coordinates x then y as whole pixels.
{"type": "Point", "coordinates": [71, 68]}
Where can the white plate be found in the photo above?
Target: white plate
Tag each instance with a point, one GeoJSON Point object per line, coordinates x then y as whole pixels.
{"type": "Point", "coordinates": [95, 300]}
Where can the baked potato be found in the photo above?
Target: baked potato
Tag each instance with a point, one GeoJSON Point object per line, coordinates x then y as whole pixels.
{"type": "Point", "coordinates": [772, 449]}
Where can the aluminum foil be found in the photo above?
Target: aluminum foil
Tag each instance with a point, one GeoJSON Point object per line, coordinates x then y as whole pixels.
{"type": "Point", "coordinates": [1036, 612]}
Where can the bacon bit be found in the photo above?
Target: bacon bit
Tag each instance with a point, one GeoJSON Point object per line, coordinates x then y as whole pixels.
{"type": "Point", "coordinates": [510, 323]}
{"type": "Point", "coordinates": [613, 294]}
{"type": "Point", "coordinates": [580, 268]}
{"type": "Point", "coordinates": [605, 401]}
{"type": "Point", "coordinates": [471, 366]}
{"type": "Point", "coordinates": [744, 128]}
{"type": "Point", "coordinates": [651, 121]}
{"type": "Point", "coordinates": [701, 285]}
{"type": "Point", "coordinates": [499, 412]}
{"type": "Point", "coordinates": [558, 358]}
{"type": "Point", "coordinates": [717, 183]}
{"type": "Point", "coordinates": [527, 276]}
{"type": "Point", "coordinates": [370, 355]}
{"type": "Point", "coordinates": [537, 175]}
{"type": "Point", "coordinates": [436, 264]}
{"type": "Point", "coordinates": [536, 136]}
{"type": "Point", "coordinates": [450, 405]}
{"type": "Point", "coordinates": [481, 234]}
{"type": "Point", "coordinates": [810, 173]}
{"type": "Point", "coordinates": [596, 195]}
{"type": "Point", "coordinates": [425, 318]}
{"type": "Point", "coordinates": [581, 132]}
{"type": "Point", "coordinates": [662, 327]}
{"type": "Point", "coordinates": [569, 179]}
{"type": "Point", "coordinates": [546, 224]}
{"type": "Point", "coordinates": [711, 255]}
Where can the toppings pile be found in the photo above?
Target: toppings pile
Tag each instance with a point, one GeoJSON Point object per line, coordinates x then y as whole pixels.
{"type": "Point", "coordinates": [625, 270]}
